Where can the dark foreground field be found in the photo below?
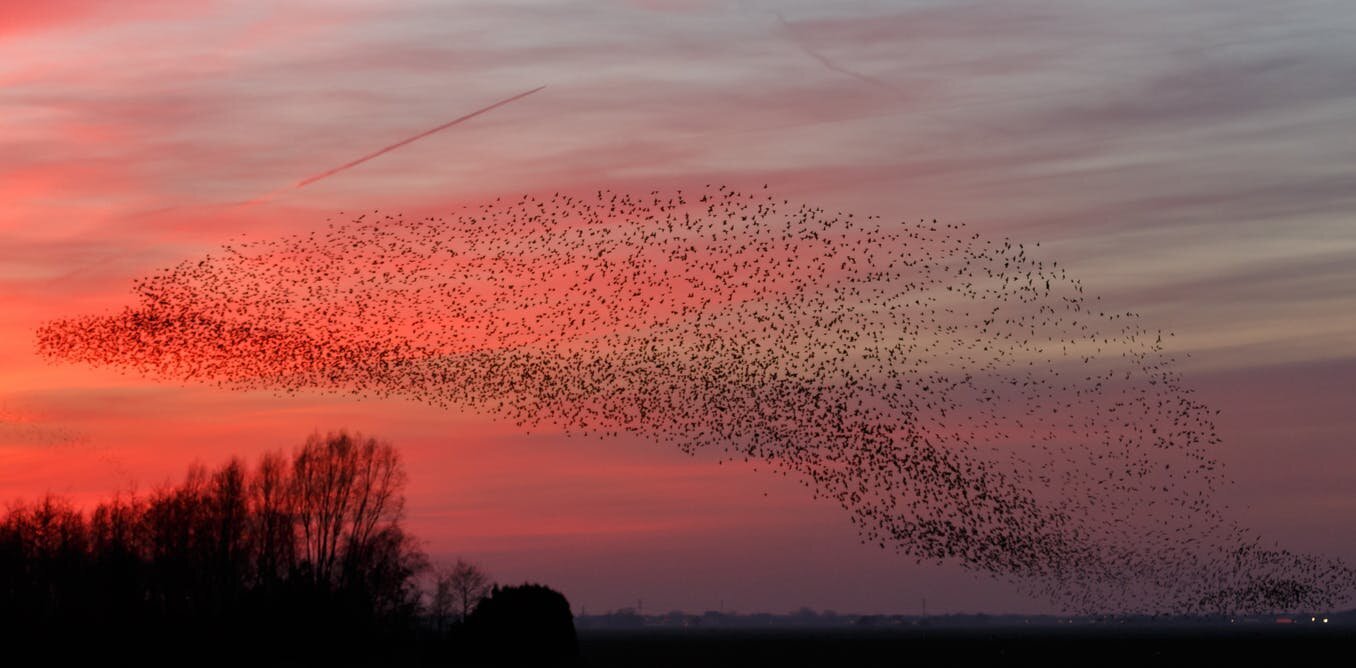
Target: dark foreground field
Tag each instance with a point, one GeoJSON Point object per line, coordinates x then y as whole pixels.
{"type": "Point", "coordinates": [1009, 646]}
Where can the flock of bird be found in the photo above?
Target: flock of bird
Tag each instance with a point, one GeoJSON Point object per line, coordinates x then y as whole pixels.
{"type": "Point", "coordinates": [21, 427]}
{"type": "Point", "coordinates": [960, 398]}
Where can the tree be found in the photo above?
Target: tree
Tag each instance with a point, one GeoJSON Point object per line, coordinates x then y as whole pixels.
{"type": "Point", "coordinates": [273, 529]}
{"type": "Point", "coordinates": [468, 584]}
{"type": "Point", "coordinates": [226, 523]}
{"type": "Point", "coordinates": [345, 491]}
{"type": "Point", "coordinates": [443, 602]}
{"type": "Point", "coordinates": [530, 624]}
{"type": "Point", "coordinates": [286, 552]}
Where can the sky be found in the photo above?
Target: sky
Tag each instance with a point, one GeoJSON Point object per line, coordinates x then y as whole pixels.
{"type": "Point", "coordinates": [1191, 162]}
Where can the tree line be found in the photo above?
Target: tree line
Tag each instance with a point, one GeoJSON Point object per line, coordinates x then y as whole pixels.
{"type": "Point", "coordinates": [298, 558]}
{"type": "Point", "coordinates": [279, 552]}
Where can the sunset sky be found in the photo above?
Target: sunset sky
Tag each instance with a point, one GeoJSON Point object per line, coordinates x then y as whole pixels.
{"type": "Point", "coordinates": [1192, 162]}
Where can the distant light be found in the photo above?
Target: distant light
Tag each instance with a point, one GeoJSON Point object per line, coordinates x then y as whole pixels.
{"type": "Point", "coordinates": [1325, 620]}
{"type": "Point", "coordinates": [1313, 619]}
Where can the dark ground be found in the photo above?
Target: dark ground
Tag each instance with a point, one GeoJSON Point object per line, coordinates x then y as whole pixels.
{"type": "Point", "coordinates": [1009, 646]}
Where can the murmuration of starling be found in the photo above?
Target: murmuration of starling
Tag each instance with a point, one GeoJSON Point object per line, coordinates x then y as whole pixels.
{"type": "Point", "coordinates": [962, 399]}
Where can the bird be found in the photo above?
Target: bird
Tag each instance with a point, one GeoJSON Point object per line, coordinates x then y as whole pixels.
{"type": "Point", "coordinates": [960, 397]}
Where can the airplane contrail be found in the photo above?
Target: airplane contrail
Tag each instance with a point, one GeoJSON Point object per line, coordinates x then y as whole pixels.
{"type": "Point", "coordinates": [307, 181]}
{"type": "Point", "coordinates": [827, 62]}
{"type": "Point", "coordinates": [270, 195]}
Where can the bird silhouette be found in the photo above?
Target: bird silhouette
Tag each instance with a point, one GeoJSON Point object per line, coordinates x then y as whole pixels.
{"type": "Point", "coordinates": [962, 399]}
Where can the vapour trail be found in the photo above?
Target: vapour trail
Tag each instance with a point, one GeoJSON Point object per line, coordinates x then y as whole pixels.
{"type": "Point", "coordinates": [307, 181]}
{"type": "Point", "coordinates": [905, 94]}
{"type": "Point", "coordinates": [276, 192]}
{"type": "Point", "coordinates": [828, 63]}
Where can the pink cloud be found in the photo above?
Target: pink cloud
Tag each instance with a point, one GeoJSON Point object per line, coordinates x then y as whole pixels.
{"type": "Point", "coordinates": [25, 18]}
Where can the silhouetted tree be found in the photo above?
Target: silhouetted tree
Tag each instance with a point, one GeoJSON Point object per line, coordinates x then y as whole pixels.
{"type": "Point", "coordinates": [224, 526]}
{"type": "Point", "coordinates": [45, 553]}
{"type": "Point", "coordinates": [469, 584]}
{"type": "Point", "coordinates": [273, 526]}
{"type": "Point", "coordinates": [442, 603]}
{"type": "Point", "coordinates": [118, 557]}
{"type": "Point", "coordinates": [345, 490]}
{"type": "Point", "coordinates": [280, 554]}
{"type": "Point", "coordinates": [529, 624]}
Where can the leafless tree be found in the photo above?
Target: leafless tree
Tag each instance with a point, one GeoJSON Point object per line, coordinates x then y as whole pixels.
{"type": "Point", "coordinates": [114, 526]}
{"type": "Point", "coordinates": [345, 492]}
{"type": "Point", "coordinates": [442, 603]}
{"type": "Point", "coordinates": [227, 519]}
{"type": "Point", "coordinates": [274, 530]}
{"type": "Point", "coordinates": [300, 545]}
{"type": "Point", "coordinates": [468, 583]}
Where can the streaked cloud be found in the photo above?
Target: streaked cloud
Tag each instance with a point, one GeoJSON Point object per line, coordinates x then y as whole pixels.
{"type": "Point", "coordinates": [1189, 162]}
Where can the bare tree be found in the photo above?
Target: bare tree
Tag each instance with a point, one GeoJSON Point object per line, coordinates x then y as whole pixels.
{"type": "Point", "coordinates": [227, 515]}
{"type": "Point", "coordinates": [377, 501]}
{"type": "Point", "coordinates": [303, 545]}
{"type": "Point", "coordinates": [322, 478]}
{"type": "Point", "coordinates": [346, 490]}
{"type": "Point", "coordinates": [114, 526]}
{"type": "Point", "coordinates": [468, 583]}
{"type": "Point", "coordinates": [443, 602]}
{"type": "Point", "coordinates": [274, 530]}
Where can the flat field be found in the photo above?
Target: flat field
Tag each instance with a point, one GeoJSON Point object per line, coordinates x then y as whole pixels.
{"type": "Point", "coordinates": [1150, 647]}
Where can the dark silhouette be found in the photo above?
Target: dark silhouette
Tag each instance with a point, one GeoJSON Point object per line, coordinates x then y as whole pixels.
{"type": "Point", "coordinates": [530, 624]}
{"type": "Point", "coordinates": [281, 556]}
{"type": "Point", "coordinates": [456, 591]}
{"type": "Point", "coordinates": [470, 584]}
